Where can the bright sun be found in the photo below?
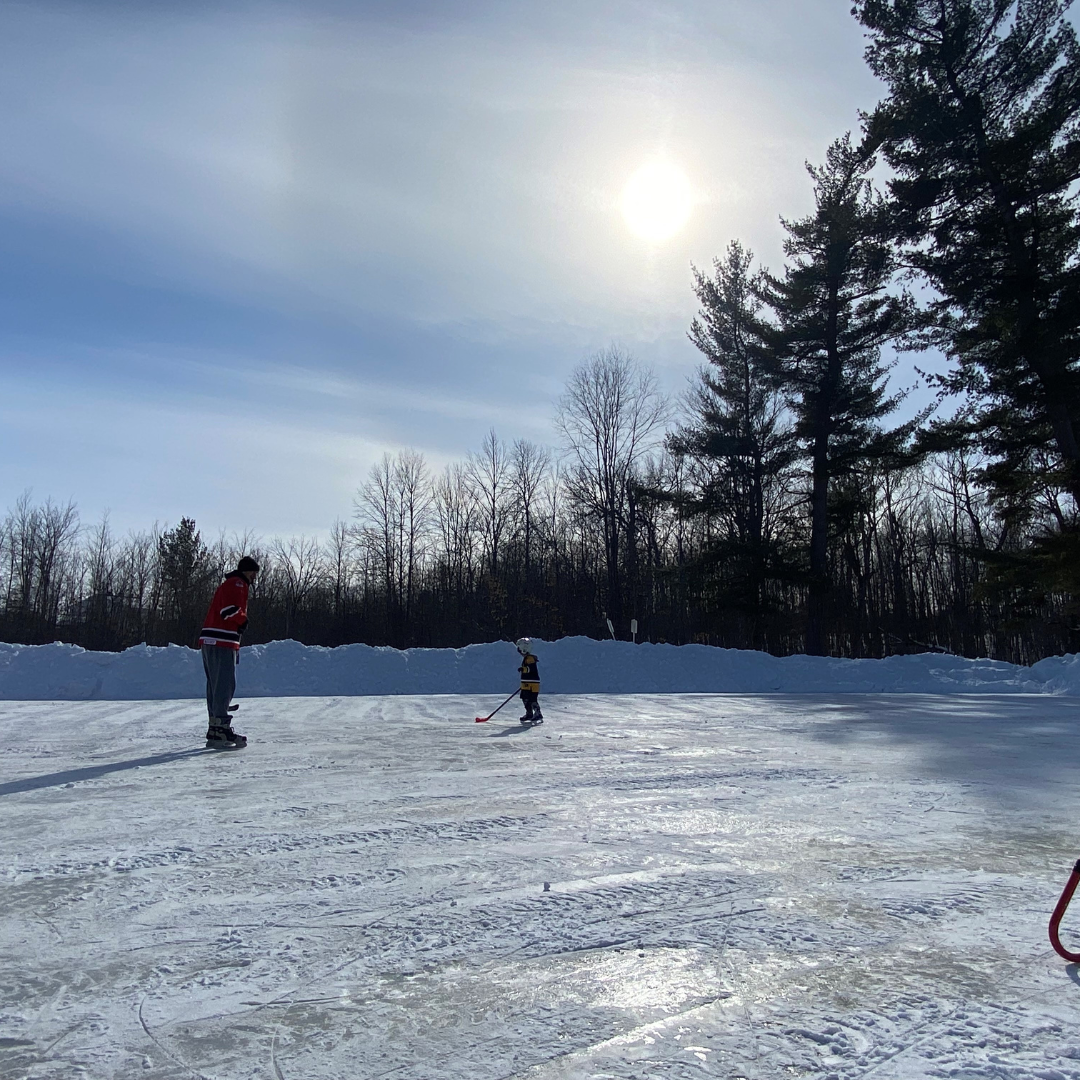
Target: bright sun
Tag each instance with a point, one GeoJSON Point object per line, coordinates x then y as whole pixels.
{"type": "Point", "coordinates": [657, 201]}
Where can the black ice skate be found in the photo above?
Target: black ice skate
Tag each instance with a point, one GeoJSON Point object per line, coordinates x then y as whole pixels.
{"type": "Point", "coordinates": [222, 737]}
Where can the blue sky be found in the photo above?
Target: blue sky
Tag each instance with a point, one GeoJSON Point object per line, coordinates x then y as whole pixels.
{"type": "Point", "coordinates": [244, 249]}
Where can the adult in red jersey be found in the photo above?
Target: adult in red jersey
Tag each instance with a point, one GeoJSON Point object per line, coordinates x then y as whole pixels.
{"type": "Point", "coordinates": [225, 621]}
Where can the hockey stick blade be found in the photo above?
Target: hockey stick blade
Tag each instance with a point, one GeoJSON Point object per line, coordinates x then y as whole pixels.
{"type": "Point", "coordinates": [485, 719]}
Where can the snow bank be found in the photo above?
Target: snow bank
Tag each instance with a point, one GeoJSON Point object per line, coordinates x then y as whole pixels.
{"type": "Point", "coordinates": [569, 666]}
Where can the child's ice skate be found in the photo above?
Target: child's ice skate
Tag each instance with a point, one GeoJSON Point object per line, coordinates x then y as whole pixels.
{"type": "Point", "coordinates": [533, 715]}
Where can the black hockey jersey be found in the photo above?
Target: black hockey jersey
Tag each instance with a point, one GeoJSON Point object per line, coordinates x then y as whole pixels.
{"type": "Point", "coordinates": [530, 675]}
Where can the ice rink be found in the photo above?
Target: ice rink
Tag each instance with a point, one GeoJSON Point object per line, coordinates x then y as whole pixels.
{"type": "Point", "coordinates": [646, 886]}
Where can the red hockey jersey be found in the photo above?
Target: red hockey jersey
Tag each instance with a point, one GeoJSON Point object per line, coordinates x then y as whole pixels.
{"type": "Point", "coordinates": [227, 616]}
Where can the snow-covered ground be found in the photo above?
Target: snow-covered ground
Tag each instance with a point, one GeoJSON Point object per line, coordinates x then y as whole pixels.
{"type": "Point", "coordinates": [646, 886]}
{"type": "Point", "coordinates": [573, 665]}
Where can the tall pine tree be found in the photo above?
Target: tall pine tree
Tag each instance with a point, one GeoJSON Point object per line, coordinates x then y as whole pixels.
{"type": "Point", "coordinates": [185, 575]}
{"type": "Point", "coordinates": [737, 434]}
{"type": "Point", "coordinates": [982, 129]}
{"type": "Point", "coordinates": [833, 314]}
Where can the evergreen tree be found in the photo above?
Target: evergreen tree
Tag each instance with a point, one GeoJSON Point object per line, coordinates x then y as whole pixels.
{"type": "Point", "coordinates": [981, 129]}
{"type": "Point", "coordinates": [833, 315]}
{"type": "Point", "coordinates": [737, 434]}
{"type": "Point", "coordinates": [184, 570]}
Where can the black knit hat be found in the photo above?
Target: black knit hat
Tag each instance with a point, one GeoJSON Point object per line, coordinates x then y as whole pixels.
{"type": "Point", "coordinates": [247, 563]}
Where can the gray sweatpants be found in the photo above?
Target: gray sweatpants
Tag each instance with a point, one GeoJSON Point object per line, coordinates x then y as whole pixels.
{"type": "Point", "coordinates": [219, 664]}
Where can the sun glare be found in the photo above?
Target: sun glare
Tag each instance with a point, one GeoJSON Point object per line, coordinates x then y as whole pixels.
{"type": "Point", "coordinates": [657, 201]}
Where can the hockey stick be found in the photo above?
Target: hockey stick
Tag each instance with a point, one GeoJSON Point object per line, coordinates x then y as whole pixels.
{"type": "Point", "coordinates": [1059, 911]}
{"type": "Point", "coordinates": [485, 719]}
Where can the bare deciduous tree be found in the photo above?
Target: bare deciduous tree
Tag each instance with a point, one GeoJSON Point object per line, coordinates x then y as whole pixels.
{"type": "Point", "coordinates": [610, 417]}
{"type": "Point", "coordinates": [298, 570]}
{"type": "Point", "coordinates": [529, 464]}
{"type": "Point", "coordinates": [394, 508]}
{"type": "Point", "coordinates": [489, 474]}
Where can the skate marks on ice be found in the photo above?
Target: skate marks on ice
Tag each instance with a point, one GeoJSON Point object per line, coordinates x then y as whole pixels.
{"type": "Point", "coordinates": [736, 886]}
{"type": "Point", "coordinates": [900, 1038]}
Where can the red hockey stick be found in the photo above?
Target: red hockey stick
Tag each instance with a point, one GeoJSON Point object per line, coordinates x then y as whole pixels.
{"type": "Point", "coordinates": [1059, 911]}
{"type": "Point", "coordinates": [485, 719]}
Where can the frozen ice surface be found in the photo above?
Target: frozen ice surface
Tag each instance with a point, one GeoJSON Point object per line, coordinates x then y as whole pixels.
{"type": "Point", "coordinates": [759, 887]}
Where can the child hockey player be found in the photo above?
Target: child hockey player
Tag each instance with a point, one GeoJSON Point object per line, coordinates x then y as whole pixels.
{"type": "Point", "coordinates": [530, 683]}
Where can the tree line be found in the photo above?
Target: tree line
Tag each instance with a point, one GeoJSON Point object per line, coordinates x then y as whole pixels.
{"type": "Point", "coordinates": [781, 505]}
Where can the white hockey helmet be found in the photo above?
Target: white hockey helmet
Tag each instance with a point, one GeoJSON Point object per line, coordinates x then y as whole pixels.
{"type": "Point", "coordinates": [524, 645]}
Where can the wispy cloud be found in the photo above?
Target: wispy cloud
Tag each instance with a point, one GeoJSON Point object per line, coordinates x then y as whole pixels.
{"type": "Point", "coordinates": [403, 213]}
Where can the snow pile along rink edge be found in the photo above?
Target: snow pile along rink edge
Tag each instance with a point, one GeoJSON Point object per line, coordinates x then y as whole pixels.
{"type": "Point", "coordinates": [575, 665]}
